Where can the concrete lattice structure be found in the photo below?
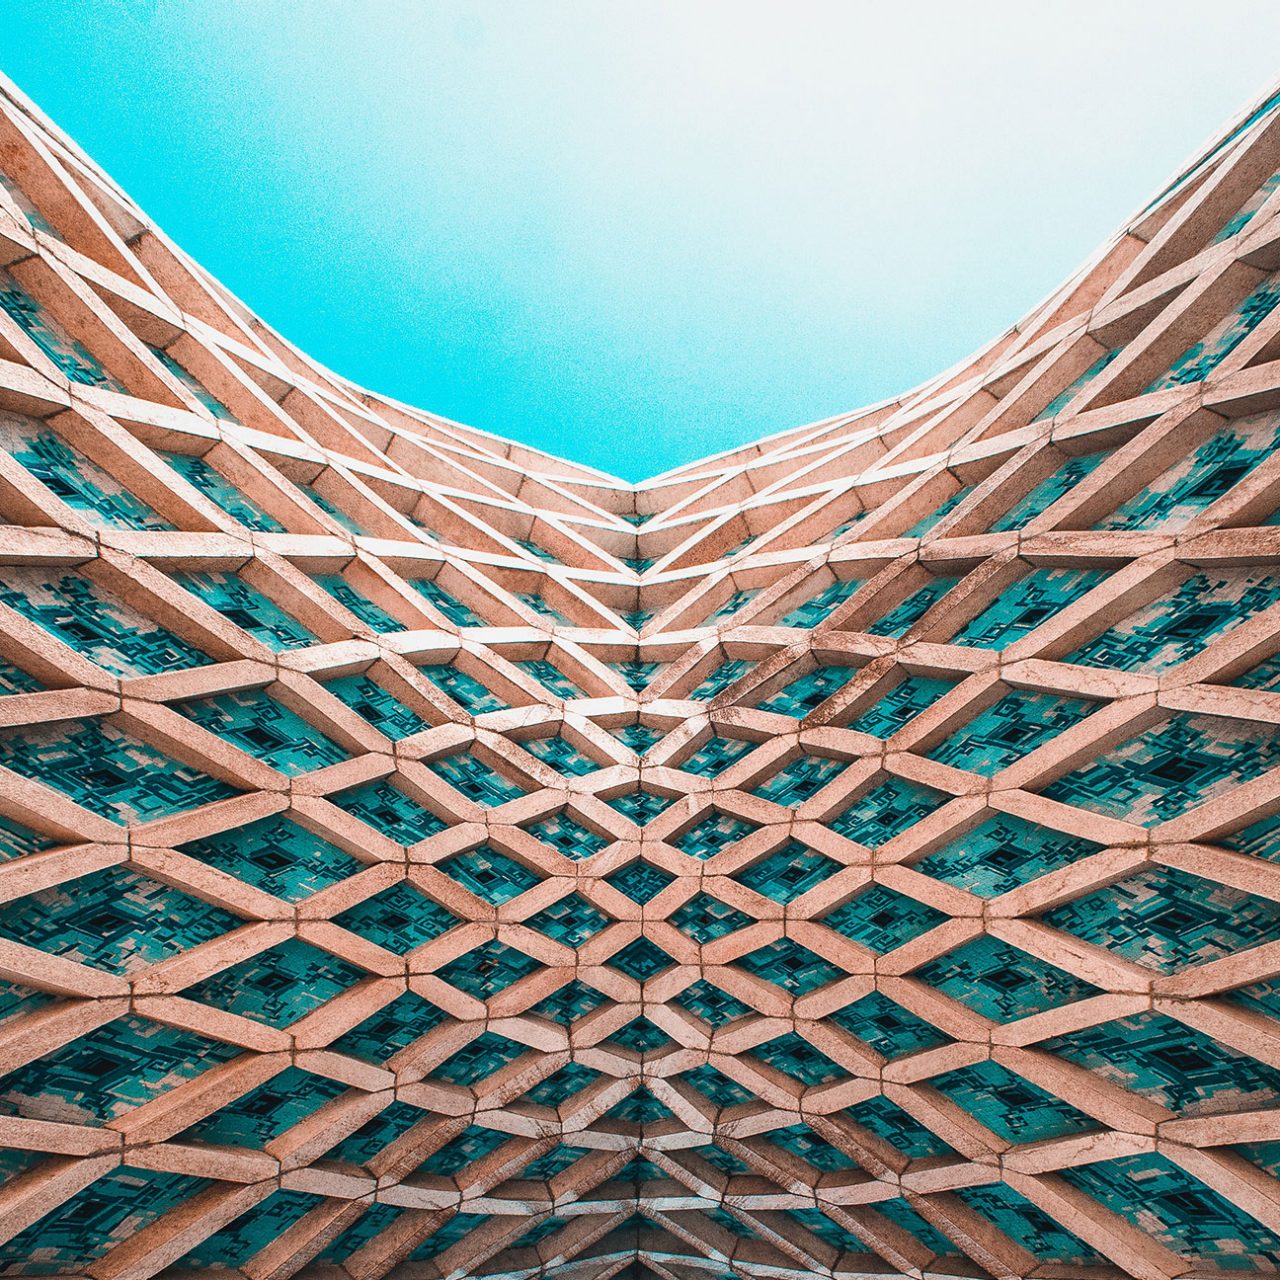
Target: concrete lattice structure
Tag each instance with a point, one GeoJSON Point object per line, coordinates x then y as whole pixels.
{"type": "Point", "coordinates": [856, 853]}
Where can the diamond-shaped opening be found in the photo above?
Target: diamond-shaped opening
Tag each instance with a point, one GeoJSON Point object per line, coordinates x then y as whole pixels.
{"type": "Point", "coordinates": [641, 1036]}
{"type": "Point", "coordinates": [881, 918]}
{"type": "Point", "coordinates": [886, 811]}
{"type": "Point", "coordinates": [705, 918]}
{"type": "Point", "coordinates": [464, 689]}
{"type": "Point", "coordinates": [572, 1001]}
{"type": "Point", "coordinates": [113, 919]}
{"type": "Point", "coordinates": [789, 965]}
{"type": "Point", "coordinates": [713, 1006]}
{"type": "Point", "coordinates": [93, 622]}
{"type": "Point", "coordinates": [640, 806]}
{"type": "Point", "coordinates": [538, 1233]}
{"type": "Point", "coordinates": [489, 874]}
{"type": "Point", "coordinates": [640, 1107]}
{"type": "Point", "coordinates": [551, 679]}
{"type": "Point", "coordinates": [901, 1214]}
{"type": "Point", "coordinates": [399, 918]}
{"type": "Point", "coordinates": [803, 695]}
{"type": "Point", "coordinates": [1013, 727]}
{"type": "Point", "coordinates": [247, 608]}
{"type": "Point", "coordinates": [561, 755]}
{"type": "Point", "coordinates": [906, 700]}
{"type": "Point", "coordinates": [831, 1233]}
{"type": "Point", "coordinates": [556, 1161]}
{"type": "Point", "coordinates": [374, 705]}
{"type": "Point", "coordinates": [454, 610]}
{"type": "Point", "coordinates": [788, 872]}
{"type": "Point", "coordinates": [263, 1114]}
{"type": "Point", "coordinates": [406, 1019]}
{"type": "Point", "coordinates": [1026, 604]}
{"type": "Point", "coordinates": [109, 1070]}
{"type": "Point", "coordinates": [799, 1140]}
{"type": "Point", "coordinates": [277, 986]}
{"type": "Point", "coordinates": [1010, 1106]}
{"type": "Point", "coordinates": [713, 833]}
{"type": "Point", "coordinates": [572, 921]}
{"type": "Point", "coordinates": [641, 960]}
{"type": "Point", "coordinates": [1166, 919]}
{"type": "Point", "coordinates": [265, 729]}
{"type": "Point", "coordinates": [252, 1231]}
{"type": "Point", "coordinates": [557, 1089]}
{"type": "Point", "coordinates": [637, 675]}
{"type": "Point", "coordinates": [472, 1144]}
{"type": "Point", "coordinates": [1170, 1063]}
{"type": "Point", "coordinates": [119, 1204]}
{"type": "Point", "coordinates": [486, 1054]}
{"type": "Point", "coordinates": [1001, 982]}
{"type": "Point", "coordinates": [640, 881]}
{"type": "Point", "coordinates": [886, 1027]}
{"type": "Point", "coordinates": [717, 1087]}
{"type": "Point", "coordinates": [387, 809]}
{"type": "Point", "coordinates": [475, 779]}
{"type": "Point", "coordinates": [719, 679]}
{"type": "Point", "coordinates": [638, 1170]}
{"type": "Point", "coordinates": [639, 737]}
{"type": "Point", "coordinates": [1028, 1225]}
{"type": "Point", "coordinates": [898, 621]}
{"type": "Point", "coordinates": [567, 835]}
{"type": "Point", "coordinates": [276, 856]}
{"type": "Point", "coordinates": [376, 1135]}
{"type": "Point", "coordinates": [715, 755]}
{"type": "Point", "coordinates": [819, 607]}
{"type": "Point", "coordinates": [797, 1058]}
{"type": "Point", "coordinates": [374, 616]}
{"type": "Point", "coordinates": [107, 772]}
{"type": "Point", "coordinates": [1003, 853]}
{"type": "Point", "coordinates": [457, 1228]}
{"type": "Point", "coordinates": [490, 968]}
{"type": "Point", "coordinates": [899, 1128]}
{"type": "Point", "coordinates": [800, 780]}
{"type": "Point", "coordinates": [376, 1219]}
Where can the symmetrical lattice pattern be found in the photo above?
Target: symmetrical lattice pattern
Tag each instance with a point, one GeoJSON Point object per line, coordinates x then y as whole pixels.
{"type": "Point", "coordinates": [855, 854]}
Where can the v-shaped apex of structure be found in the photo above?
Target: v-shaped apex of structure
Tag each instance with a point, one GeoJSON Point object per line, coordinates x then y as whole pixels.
{"type": "Point", "coordinates": [856, 854]}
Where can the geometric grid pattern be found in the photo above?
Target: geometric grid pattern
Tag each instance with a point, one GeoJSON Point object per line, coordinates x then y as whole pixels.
{"type": "Point", "coordinates": [854, 854]}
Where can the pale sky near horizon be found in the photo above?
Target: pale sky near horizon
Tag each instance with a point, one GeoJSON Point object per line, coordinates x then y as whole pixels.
{"type": "Point", "coordinates": [635, 234]}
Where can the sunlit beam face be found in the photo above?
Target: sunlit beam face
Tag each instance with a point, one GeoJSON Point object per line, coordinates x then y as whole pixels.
{"type": "Point", "coordinates": [587, 225]}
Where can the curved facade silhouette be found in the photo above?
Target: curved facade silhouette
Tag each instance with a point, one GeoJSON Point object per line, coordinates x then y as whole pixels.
{"type": "Point", "coordinates": [854, 854]}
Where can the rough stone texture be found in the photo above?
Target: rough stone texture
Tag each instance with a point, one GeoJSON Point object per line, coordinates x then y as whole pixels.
{"type": "Point", "coordinates": [858, 853]}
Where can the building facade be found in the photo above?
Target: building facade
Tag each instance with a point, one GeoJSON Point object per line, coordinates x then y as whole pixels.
{"type": "Point", "coordinates": [855, 854]}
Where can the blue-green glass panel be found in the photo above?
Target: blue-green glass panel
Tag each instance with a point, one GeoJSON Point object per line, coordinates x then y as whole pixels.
{"type": "Point", "coordinates": [720, 679]}
{"type": "Point", "coordinates": [791, 966]}
{"type": "Point", "coordinates": [475, 779]}
{"type": "Point", "coordinates": [800, 780]}
{"type": "Point", "coordinates": [1028, 1225]}
{"type": "Point", "coordinates": [398, 918]}
{"type": "Point", "coordinates": [562, 755]}
{"type": "Point", "coordinates": [1001, 982]}
{"type": "Point", "coordinates": [222, 493]}
{"type": "Point", "coordinates": [95, 623]}
{"type": "Point", "coordinates": [801, 696]}
{"type": "Point", "coordinates": [715, 832]}
{"type": "Point", "coordinates": [331, 509]}
{"type": "Point", "coordinates": [465, 690]}
{"type": "Point", "coordinates": [708, 1002]}
{"type": "Point", "coordinates": [788, 872]}
{"type": "Point", "coordinates": [886, 811]}
{"type": "Point", "coordinates": [572, 921]}
{"type": "Point", "coordinates": [194, 385]}
{"type": "Point", "coordinates": [452, 608]}
{"type": "Point", "coordinates": [265, 729]}
{"type": "Point", "coordinates": [489, 874]}
{"type": "Point", "coordinates": [716, 755]}
{"type": "Point", "coordinates": [1024, 605]}
{"type": "Point", "coordinates": [901, 1130]}
{"type": "Point", "coordinates": [488, 969]}
{"type": "Point", "coordinates": [485, 1055]}
{"type": "Point", "coordinates": [921, 527]}
{"type": "Point", "coordinates": [705, 918]}
{"type": "Point", "coordinates": [1170, 768]}
{"type": "Point", "coordinates": [821, 606]}
{"type": "Point", "coordinates": [891, 1030]}
{"type": "Point", "coordinates": [881, 919]}
{"type": "Point", "coordinates": [1011, 728]}
{"type": "Point", "coordinates": [247, 608]}
{"type": "Point", "coordinates": [106, 771]}
{"type": "Point", "coordinates": [906, 700]}
{"type": "Point", "coordinates": [373, 704]}
{"type": "Point", "coordinates": [276, 856]}
{"type": "Point", "coordinates": [387, 809]}
{"type": "Point", "coordinates": [570, 837]}
{"type": "Point", "coordinates": [383, 1034]}
{"type": "Point", "coordinates": [797, 1058]}
{"type": "Point", "coordinates": [1049, 490]}
{"type": "Point", "coordinates": [550, 678]}
{"type": "Point", "coordinates": [73, 358]}
{"type": "Point", "coordinates": [898, 621]}
{"type": "Point", "coordinates": [372, 615]}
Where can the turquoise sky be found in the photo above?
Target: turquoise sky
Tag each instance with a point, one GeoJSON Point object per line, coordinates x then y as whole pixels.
{"type": "Point", "coordinates": [637, 233]}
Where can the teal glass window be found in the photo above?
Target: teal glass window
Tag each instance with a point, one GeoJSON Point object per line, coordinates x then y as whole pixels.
{"type": "Point", "coordinates": [551, 679]}
{"type": "Point", "coordinates": [1049, 490]}
{"type": "Point", "coordinates": [1012, 728]}
{"type": "Point", "coordinates": [899, 620]}
{"type": "Point", "coordinates": [95, 623]}
{"type": "Point", "coordinates": [106, 771]}
{"type": "Point", "coordinates": [71, 357]}
{"type": "Point", "coordinates": [720, 679]}
{"type": "Point", "coordinates": [475, 779]}
{"type": "Point", "coordinates": [821, 606]}
{"type": "Point", "coordinates": [465, 690]}
{"type": "Point", "coordinates": [372, 615]}
{"type": "Point", "coordinates": [811, 690]}
{"type": "Point", "coordinates": [1060, 401]}
{"type": "Point", "coordinates": [1025, 604]}
{"type": "Point", "coordinates": [452, 608]}
{"type": "Point", "coordinates": [193, 384]}
{"type": "Point", "coordinates": [388, 810]}
{"type": "Point", "coordinates": [222, 493]}
{"type": "Point", "coordinates": [906, 700]}
{"type": "Point", "coordinates": [247, 608]}
{"type": "Point", "coordinates": [264, 728]}
{"type": "Point", "coordinates": [373, 704]}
